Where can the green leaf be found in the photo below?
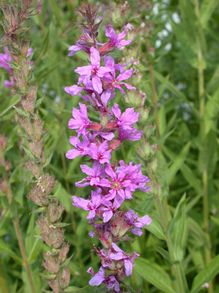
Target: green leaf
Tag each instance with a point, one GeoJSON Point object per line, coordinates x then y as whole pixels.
{"type": "Point", "coordinates": [12, 102]}
{"type": "Point", "coordinates": [208, 153]}
{"type": "Point", "coordinates": [178, 230]}
{"type": "Point", "coordinates": [63, 196]}
{"type": "Point", "coordinates": [178, 162]}
{"type": "Point", "coordinates": [154, 274]}
{"type": "Point", "coordinates": [4, 248]}
{"type": "Point", "coordinates": [170, 86]}
{"type": "Point", "coordinates": [206, 275]}
{"type": "Point", "coordinates": [207, 8]}
{"type": "Point", "coordinates": [86, 289]}
{"type": "Point", "coordinates": [156, 229]}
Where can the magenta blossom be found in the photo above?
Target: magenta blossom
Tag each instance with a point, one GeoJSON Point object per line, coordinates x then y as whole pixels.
{"type": "Point", "coordinates": [100, 277]}
{"type": "Point", "coordinates": [98, 135]}
{"type": "Point", "coordinates": [136, 222]}
{"type": "Point", "coordinates": [6, 60]}
{"type": "Point", "coordinates": [80, 120]}
{"type": "Point", "coordinates": [91, 205]}
{"type": "Point", "coordinates": [80, 147]}
{"type": "Point", "coordinates": [100, 152]}
{"type": "Point", "coordinates": [94, 71]}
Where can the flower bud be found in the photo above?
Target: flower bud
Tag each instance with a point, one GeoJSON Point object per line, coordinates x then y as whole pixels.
{"type": "Point", "coordinates": [55, 211]}
{"type": "Point", "coordinates": [51, 263]}
{"type": "Point", "coordinates": [64, 278]}
{"type": "Point", "coordinates": [37, 196]}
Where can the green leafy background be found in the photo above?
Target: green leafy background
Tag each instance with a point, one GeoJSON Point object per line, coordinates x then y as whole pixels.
{"type": "Point", "coordinates": [176, 43]}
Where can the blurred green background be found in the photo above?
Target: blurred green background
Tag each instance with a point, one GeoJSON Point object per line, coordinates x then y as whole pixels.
{"type": "Point", "coordinates": [176, 53]}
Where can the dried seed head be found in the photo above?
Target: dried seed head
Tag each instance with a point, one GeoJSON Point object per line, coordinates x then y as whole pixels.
{"type": "Point", "coordinates": [52, 235]}
{"type": "Point", "coordinates": [36, 148]}
{"type": "Point", "coordinates": [38, 197]}
{"type": "Point", "coordinates": [26, 125]}
{"type": "Point", "coordinates": [54, 284]}
{"type": "Point", "coordinates": [64, 278]}
{"type": "Point", "coordinates": [55, 211]}
{"type": "Point", "coordinates": [38, 128]}
{"type": "Point", "coordinates": [33, 168]}
{"type": "Point", "coordinates": [46, 183]}
{"type": "Point", "coordinates": [51, 263]}
{"type": "Point", "coordinates": [63, 252]}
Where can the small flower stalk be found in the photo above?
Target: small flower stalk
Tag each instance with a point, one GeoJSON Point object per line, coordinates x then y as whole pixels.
{"type": "Point", "coordinates": [112, 183]}
{"type": "Point", "coordinates": [16, 60]}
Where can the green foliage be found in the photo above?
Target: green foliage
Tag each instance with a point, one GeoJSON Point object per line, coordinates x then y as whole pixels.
{"type": "Point", "coordinates": [176, 43]}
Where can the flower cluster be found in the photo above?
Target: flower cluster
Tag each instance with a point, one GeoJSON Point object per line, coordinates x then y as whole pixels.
{"type": "Point", "coordinates": [111, 183]}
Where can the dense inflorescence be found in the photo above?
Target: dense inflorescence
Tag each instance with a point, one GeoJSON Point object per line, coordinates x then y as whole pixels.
{"type": "Point", "coordinates": [112, 182]}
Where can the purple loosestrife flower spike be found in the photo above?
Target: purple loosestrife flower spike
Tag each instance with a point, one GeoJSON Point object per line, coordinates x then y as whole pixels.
{"type": "Point", "coordinates": [111, 184]}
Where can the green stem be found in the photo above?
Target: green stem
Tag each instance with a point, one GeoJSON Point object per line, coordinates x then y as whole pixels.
{"type": "Point", "coordinates": [201, 90]}
{"type": "Point", "coordinates": [18, 233]}
{"type": "Point", "coordinates": [23, 253]}
{"type": "Point", "coordinates": [154, 98]}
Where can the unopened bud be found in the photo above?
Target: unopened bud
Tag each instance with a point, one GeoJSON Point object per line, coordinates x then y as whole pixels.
{"type": "Point", "coordinates": [50, 234]}
{"type": "Point", "coordinates": [38, 197]}
{"type": "Point", "coordinates": [51, 263]}
{"type": "Point", "coordinates": [46, 183]}
{"type": "Point", "coordinates": [63, 252]}
{"type": "Point", "coordinates": [55, 211]}
{"type": "Point", "coordinates": [64, 278]}
{"type": "Point", "coordinates": [36, 148]}
{"type": "Point", "coordinates": [33, 168]}
{"type": "Point", "coordinates": [54, 284]}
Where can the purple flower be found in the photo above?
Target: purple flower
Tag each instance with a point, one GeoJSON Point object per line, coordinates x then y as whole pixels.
{"type": "Point", "coordinates": [127, 119]}
{"type": "Point", "coordinates": [110, 208]}
{"type": "Point", "coordinates": [99, 278]}
{"type": "Point", "coordinates": [80, 120]}
{"type": "Point", "coordinates": [80, 147]}
{"type": "Point", "coordinates": [115, 41]}
{"type": "Point", "coordinates": [5, 61]}
{"type": "Point", "coordinates": [124, 180]}
{"type": "Point", "coordinates": [119, 254]}
{"type": "Point", "coordinates": [100, 152]}
{"type": "Point", "coordinates": [111, 184]}
{"type": "Point", "coordinates": [111, 82]}
{"type": "Point", "coordinates": [136, 222]}
{"type": "Point", "coordinates": [94, 71]}
{"type": "Point", "coordinates": [94, 175]}
{"type": "Point", "coordinates": [81, 45]}
{"type": "Point", "coordinates": [91, 205]}
{"type": "Point", "coordinates": [73, 90]}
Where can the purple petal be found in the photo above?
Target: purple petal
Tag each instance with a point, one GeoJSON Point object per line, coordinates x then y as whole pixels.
{"type": "Point", "coordinates": [72, 154]}
{"type": "Point", "coordinates": [107, 216]}
{"type": "Point", "coordinates": [91, 214]}
{"type": "Point", "coordinates": [97, 84]}
{"type": "Point", "coordinates": [128, 267]}
{"type": "Point", "coordinates": [84, 70]}
{"type": "Point", "coordinates": [106, 95]}
{"type": "Point", "coordinates": [73, 90]}
{"type": "Point", "coordinates": [73, 49]}
{"type": "Point", "coordinates": [125, 75]}
{"type": "Point", "coordinates": [98, 278]}
{"type": "Point", "coordinates": [116, 111]}
{"type": "Point", "coordinates": [94, 57]}
{"type": "Point", "coordinates": [87, 170]}
{"type": "Point", "coordinates": [80, 202]}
